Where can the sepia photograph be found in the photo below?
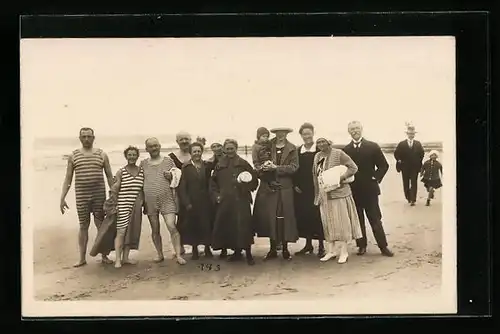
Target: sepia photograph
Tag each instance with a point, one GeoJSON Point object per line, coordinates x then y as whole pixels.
{"type": "Point", "coordinates": [238, 176]}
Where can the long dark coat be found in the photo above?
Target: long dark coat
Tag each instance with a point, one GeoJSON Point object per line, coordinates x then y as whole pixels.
{"type": "Point", "coordinates": [410, 157]}
{"type": "Point", "coordinates": [267, 200]}
{"type": "Point", "coordinates": [194, 191]}
{"type": "Point", "coordinates": [233, 220]}
{"type": "Point", "coordinates": [372, 167]}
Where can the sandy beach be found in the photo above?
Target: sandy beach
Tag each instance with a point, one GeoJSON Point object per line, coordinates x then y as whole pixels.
{"type": "Point", "coordinates": [414, 234]}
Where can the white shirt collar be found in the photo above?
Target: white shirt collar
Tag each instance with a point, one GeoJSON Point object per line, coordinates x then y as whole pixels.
{"type": "Point", "coordinates": [358, 142]}
{"type": "Point", "coordinates": [303, 149]}
{"type": "Point", "coordinates": [410, 141]}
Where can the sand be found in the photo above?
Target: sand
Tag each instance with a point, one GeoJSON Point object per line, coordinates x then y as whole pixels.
{"type": "Point", "coordinates": [414, 234]}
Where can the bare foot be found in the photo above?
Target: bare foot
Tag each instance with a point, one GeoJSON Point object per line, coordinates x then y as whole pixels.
{"type": "Point", "coordinates": [118, 265]}
{"type": "Point", "coordinates": [80, 263]}
{"type": "Point", "coordinates": [106, 260]}
{"type": "Point", "coordinates": [180, 260]}
{"type": "Point", "coordinates": [129, 261]}
{"type": "Point", "coordinates": [158, 259]}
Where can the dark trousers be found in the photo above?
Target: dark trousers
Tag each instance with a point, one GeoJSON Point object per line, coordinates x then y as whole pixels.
{"type": "Point", "coordinates": [370, 206]}
{"type": "Point", "coordinates": [410, 182]}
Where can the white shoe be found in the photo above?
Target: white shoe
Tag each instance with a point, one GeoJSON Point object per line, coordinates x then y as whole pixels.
{"type": "Point", "coordinates": [328, 256]}
{"type": "Point", "coordinates": [331, 254]}
{"type": "Point", "coordinates": [344, 255]}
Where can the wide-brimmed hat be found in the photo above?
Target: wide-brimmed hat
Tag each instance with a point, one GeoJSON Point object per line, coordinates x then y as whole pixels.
{"type": "Point", "coordinates": [278, 129]}
{"type": "Point", "coordinates": [410, 129]}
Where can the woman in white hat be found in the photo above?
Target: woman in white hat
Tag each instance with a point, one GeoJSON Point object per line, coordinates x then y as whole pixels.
{"type": "Point", "coordinates": [274, 212]}
{"type": "Point", "coordinates": [431, 173]}
{"type": "Point", "coordinates": [232, 182]}
{"type": "Point", "coordinates": [333, 195]}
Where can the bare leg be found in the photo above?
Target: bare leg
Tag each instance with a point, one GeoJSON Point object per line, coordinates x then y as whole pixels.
{"type": "Point", "coordinates": [126, 259]}
{"type": "Point", "coordinates": [83, 238]}
{"type": "Point", "coordinates": [174, 236]}
{"type": "Point", "coordinates": [119, 239]}
{"type": "Point", "coordinates": [154, 221]}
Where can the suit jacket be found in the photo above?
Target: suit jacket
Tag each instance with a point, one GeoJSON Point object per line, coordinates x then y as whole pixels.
{"type": "Point", "coordinates": [409, 159]}
{"type": "Point", "coordinates": [372, 167]}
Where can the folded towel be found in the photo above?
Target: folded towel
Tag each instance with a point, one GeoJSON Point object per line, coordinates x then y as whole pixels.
{"type": "Point", "coordinates": [330, 179]}
{"type": "Point", "coordinates": [176, 177]}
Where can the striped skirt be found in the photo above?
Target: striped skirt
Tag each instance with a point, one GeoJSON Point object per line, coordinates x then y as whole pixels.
{"type": "Point", "coordinates": [340, 219]}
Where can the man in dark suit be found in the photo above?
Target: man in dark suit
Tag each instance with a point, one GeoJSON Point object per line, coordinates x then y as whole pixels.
{"type": "Point", "coordinates": [409, 155]}
{"type": "Point", "coordinates": [372, 167]}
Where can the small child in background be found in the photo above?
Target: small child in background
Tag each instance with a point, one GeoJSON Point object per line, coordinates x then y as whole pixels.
{"type": "Point", "coordinates": [261, 156]}
{"type": "Point", "coordinates": [431, 173]}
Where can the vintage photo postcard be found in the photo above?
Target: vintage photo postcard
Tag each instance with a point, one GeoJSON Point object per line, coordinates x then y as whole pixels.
{"type": "Point", "coordinates": [238, 176]}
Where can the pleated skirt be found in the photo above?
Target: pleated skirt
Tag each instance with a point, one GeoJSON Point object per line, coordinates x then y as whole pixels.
{"type": "Point", "coordinates": [340, 219]}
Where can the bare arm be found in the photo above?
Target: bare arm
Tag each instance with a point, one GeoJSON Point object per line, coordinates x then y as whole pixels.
{"type": "Point", "coordinates": [67, 183]}
{"type": "Point", "coordinates": [107, 170]}
{"type": "Point", "coordinates": [115, 187]}
{"type": "Point", "coordinates": [352, 168]}
{"type": "Point", "coordinates": [68, 178]}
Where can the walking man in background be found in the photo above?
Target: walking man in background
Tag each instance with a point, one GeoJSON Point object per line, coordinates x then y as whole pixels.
{"type": "Point", "coordinates": [409, 155]}
{"type": "Point", "coordinates": [372, 167]}
{"type": "Point", "coordinates": [87, 164]}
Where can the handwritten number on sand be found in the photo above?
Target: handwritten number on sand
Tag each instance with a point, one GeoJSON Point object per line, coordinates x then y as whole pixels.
{"type": "Point", "coordinates": [209, 267]}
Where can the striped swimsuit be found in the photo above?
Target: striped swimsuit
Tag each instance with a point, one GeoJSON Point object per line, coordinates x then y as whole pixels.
{"type": "Point", "coordinates": [90, 188]}
{"type": "Point", "coordinates": [158, 196]}
{"type": "Point", "coordinates": [130, 188]}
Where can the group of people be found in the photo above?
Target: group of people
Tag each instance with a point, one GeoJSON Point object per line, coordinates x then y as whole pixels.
{"type": "Point", "coordinates": [314, 191]}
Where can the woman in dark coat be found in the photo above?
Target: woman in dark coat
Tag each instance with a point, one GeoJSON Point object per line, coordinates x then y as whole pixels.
{"type": "Point", "coordinates": [274, 212]}
{"type": "Point", "coordinates": [195, 199]}
{"type": "Point", "coordinates": [233, 220]}
{"type": "Point", "coordinates": [308, 216]}
{"type": "Point", "coordinates": [218, 152]}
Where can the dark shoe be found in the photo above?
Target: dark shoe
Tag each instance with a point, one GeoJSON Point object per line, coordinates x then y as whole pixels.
{"type": "Point", "coordinates": [428, 202]}
{"type": "Point", "coordinates": [321, 252]}
{"type": "Point", "coordinates": [272, 254]}
{"type": "Point", "coordinates": [250, 260]}
{"type": "Point", "coordinates": [386, 252]}
{"type": "Point", "coordinates": [306, 250]}
{"type": "Point", "coordinates": [286, 255]}
{"type": "Point", "coordinates": [361, 250]}
{"type": "Point", "coordinates": [208, 253]}
{"type": "Point", "coordinates": [223, 254]}
{"type": "Point", "coordinates": [412, 204]}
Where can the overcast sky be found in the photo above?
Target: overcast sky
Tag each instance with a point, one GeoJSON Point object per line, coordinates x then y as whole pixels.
{"type": "Point", "coordinates": [229, 87]}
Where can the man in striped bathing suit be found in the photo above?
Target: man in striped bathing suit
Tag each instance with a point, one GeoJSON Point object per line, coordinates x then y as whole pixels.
{"type": "Point", "coordinates": [87, 164]}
